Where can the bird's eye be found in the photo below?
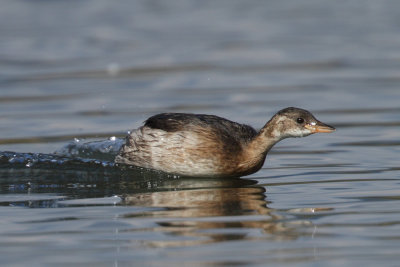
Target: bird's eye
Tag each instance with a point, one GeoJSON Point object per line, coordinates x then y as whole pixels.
{"type": "Point", "coordinates": [300, 120]}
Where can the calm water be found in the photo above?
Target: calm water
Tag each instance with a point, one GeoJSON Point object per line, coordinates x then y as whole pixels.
{"type": "Point", "coordinates": [79, 71]}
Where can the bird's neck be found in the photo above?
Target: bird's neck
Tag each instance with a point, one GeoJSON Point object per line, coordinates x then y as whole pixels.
{"type": "Point", "coordinates": [263, 142]}
{"type": "Point", "coordinates": [254, 153]}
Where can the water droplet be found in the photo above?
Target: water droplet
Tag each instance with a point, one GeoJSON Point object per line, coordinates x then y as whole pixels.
{"type": "Point", "coordinates": [113, 69]}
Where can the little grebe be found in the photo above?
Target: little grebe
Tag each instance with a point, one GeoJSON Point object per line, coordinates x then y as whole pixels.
{"type": "Point", "coordinates": [208, 145]}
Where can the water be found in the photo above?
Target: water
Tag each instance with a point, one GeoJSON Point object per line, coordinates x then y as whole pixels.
{"type": "Point", "coordinates": [89, 71]}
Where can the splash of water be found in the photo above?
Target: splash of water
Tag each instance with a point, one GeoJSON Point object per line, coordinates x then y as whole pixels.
{"type": "Point", "coordinates": [101, 150]}
{"type": "Point", "coordinates": [29, 160]}
{"type": "Point", "coordinates": [75, 154]}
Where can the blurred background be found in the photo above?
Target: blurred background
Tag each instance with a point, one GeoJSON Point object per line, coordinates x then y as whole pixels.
{"type": "Point", "coordinates": [87, 70]}
{"type": "Point", "coordinates": [94, 68]}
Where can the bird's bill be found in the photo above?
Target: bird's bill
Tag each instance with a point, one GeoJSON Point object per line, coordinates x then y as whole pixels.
{"type": "Point", "coordinates": [320, 127]}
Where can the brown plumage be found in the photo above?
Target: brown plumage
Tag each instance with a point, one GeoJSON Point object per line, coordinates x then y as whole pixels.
{"type": "Point", "coordinates": [208, 145]}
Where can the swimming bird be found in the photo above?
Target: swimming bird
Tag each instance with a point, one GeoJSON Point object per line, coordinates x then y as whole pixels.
{"type": "Point", "coordinates": [210, 146]}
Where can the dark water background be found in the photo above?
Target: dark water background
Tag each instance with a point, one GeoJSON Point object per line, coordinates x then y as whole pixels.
{"type": "Point", "coordinates": [78, 71]}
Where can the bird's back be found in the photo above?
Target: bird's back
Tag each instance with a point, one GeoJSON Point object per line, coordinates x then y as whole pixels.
{"type": "Point", "coordinates": [174, 122]}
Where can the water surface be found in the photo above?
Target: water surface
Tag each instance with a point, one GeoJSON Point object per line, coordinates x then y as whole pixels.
{"type": "Point", "coordinates": [75, 72]}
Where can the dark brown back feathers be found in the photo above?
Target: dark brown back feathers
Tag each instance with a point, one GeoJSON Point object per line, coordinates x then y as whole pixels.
{"type": "Point", "coordinates": [172, 122]}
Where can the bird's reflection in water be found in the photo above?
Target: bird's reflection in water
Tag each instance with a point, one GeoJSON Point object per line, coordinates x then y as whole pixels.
{"type": "Point", "coordinates": [188, 211]}
{"type": "Point", "coordinates": [197, 211]}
